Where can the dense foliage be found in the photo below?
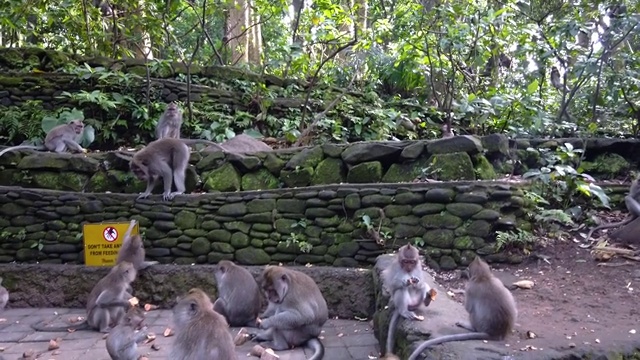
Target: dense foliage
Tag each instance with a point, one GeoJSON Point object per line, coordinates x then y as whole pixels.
{"type": "Point", "coordinates": [485, 66]}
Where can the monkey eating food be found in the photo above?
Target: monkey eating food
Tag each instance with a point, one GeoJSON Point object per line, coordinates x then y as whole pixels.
{"type": "Point", "coordinates": [122, 341]}
{"type": "Point", "coordinates": [107, 301]}
{"type": "Point", "coordinates": [491, 307]}
{"type": "Point", "coordinates": [408, 288]}
{"type": "Point", "coordinates": [239, 298]}
{"type": "Point", "coordinates": [296, 311]}
{"type": "Point", "coordinates": [169, 123]}
{"type": "Point", "coordinates": [165, 158]}
{"type": "Point", "coordinates": [201, 333]}
{"type": "Point", "coordinates": [60, 139]}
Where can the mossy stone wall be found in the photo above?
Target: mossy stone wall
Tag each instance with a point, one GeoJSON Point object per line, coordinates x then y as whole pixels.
{"type": "Point", "coordinates": [451, 222]}
{"type": "Point", "coordinates": [459, 158]}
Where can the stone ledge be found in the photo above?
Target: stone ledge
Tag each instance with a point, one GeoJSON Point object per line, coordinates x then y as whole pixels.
{"type": "Point", "coordinates": [348, 291]}
{"type": "Point", "coordinates": [443, 313]}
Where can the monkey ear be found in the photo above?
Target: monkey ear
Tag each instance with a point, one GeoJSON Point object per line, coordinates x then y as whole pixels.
{"type": "Point", "coordinates": [285, 277]}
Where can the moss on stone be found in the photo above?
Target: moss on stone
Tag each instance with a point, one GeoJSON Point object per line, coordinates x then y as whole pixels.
{"type": "Point", "coordinates": [10, 81]}
{"type": "Point", "coordinates": [225, 178]}
{"type": "Point", "coordinates": [484, 169]}
{"type": "Point", "coordinates": [452, 166]}
{"type": "Point", "coordinates": [273, 163]}
{"type": "Point", "coordinates": [309, 157]}
{"type": "Point", "coordinates": [366, 172]}
{"type": "Point", "coordinates": [609, 165]}
{"type": "Point", "coordinates": [299, 177]}
{"type": "Point", "coordinates": [261, 179]}
{"type": "Point", "coordinates": [60, 181]}
{"type": "Point", "coordinates": [329, 171]}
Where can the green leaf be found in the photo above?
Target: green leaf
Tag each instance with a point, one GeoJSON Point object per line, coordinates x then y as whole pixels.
{"type": "Point", "coordinates": [88, 135]}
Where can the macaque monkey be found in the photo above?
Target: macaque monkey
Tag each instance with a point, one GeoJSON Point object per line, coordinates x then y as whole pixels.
{"type": "Point", "coordinates": [170, 122]}
{"type": "Point", "coordinates": [4, 295]}
{"type": "Point", "coordinates": [239, 298]}
{"type": "Point", "coordinates": [296, 311]}
{"type": "Point", "coordinates": [491, 307]}
{"type": "Point", "coordinates": [166, 158]}
{"type": "Point", "coordinates": [60, 139]}
{"type": "Point", "coordinates": [201, 333]}
{"type": "Point", "coordinates": [633, 206]}
{"type": "Point", "coordinates": [447, 132]}
{"type": "Point", "coordinates": [556, 80]}
{"type": "Point", "coordinates": [132, 250]}
{"type": "Point", "coordinates": [408, 289]}
{"type": "Point", "coordinates": [122, 341]}
{"type": "Point", "coordinates": [107, 301]}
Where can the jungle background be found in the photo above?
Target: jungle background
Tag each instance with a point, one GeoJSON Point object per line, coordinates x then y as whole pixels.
{"type": "Point", "coordinates": [361, 70]}
{"type": "Point", "coordinates": [522, 68]}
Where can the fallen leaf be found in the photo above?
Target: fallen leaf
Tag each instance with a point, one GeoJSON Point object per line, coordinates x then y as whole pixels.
{"type": "Point", "coordinates": [524, 284]}
{"type": "Point", "coordinates": [53, 345]}
{"type": "Point", "coordinates": [531, 335]}
{"type": "Point", "coordinates": [155, 346]}
{"type": "Point", "coordinates": [134, 301]}
{"type": "Point", "coordinates": [150, 338]}
{"type": "Point", "coordinates": [168, 332]}
{"type": "Point", "coordinates": [149, 307]}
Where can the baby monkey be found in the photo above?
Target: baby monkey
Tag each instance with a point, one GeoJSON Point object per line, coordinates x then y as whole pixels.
{"type": "Point", "coordinates": [122, 341]}
{"type": "Point", "coordinates": [491, 307]}
{"type": "Point", "coordinates": [408, 289]}
{"type": "Point", "coordinates": [170, 122]}
{"type": "Point", "coordinates": [60, 139]}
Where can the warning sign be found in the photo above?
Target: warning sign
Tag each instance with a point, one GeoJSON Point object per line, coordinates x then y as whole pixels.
{"type": "Point", "coordinates": [110, 234]}
{"type": "Point", "coordinates": [103, 241]}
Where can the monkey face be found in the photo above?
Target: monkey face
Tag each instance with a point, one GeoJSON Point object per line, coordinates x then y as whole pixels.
{"type": "Point", "coordinates": [134, 318]}
{"type": "Point", "coordinates": [275, 287]}
{"type": "Point", "coordinates": [77, 126]}
{"type": "Point", "coordinates": [126, 270]}
{"type": "Point", "coordinates": [408, 265]}
{"type": "Point", "coordinates": [139, 171]}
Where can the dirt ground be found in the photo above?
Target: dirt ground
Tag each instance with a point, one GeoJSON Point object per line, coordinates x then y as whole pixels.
{"type": "Point", "coordinates": [574, 302]}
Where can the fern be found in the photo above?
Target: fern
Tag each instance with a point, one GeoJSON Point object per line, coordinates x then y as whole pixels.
{"type": "Point", "coordinates": [521, 239]}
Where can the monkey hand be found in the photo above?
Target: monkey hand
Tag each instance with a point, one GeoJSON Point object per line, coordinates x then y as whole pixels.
{"type": "Point", "coordinates": [263, 323]}
{"type": "Point", "coordinates": [143, 195]}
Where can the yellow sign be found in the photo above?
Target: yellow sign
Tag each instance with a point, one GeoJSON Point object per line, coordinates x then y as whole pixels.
{"type": "Point", "coordinates": [103, 241]}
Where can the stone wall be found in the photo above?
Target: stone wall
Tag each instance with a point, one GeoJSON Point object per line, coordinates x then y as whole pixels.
{"type": "Point", "coordinates": [450, 221]}
{"type": "Point", "coordinates": [459, 158]}
{"type": "Point", "coordinates": [349, 292]}
{"type": "Point", "coordinates": [18, 85]}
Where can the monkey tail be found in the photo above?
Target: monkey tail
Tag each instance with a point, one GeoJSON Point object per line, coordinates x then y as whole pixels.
{"type": "Point", "coordinates": [197, 141]}
{"type": "Point", "coordinates": [447, 338]}
{"type": "Point", "coordinates": [13, 148]}
{"type": "Point", "coordinates": [318, 349]}
{"type": "Point", "coordinates": [627, 220]}
{"type": "Point", "coordinates": [79, 326]}
{"type": "Point", "coordinates": [391, 334]}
